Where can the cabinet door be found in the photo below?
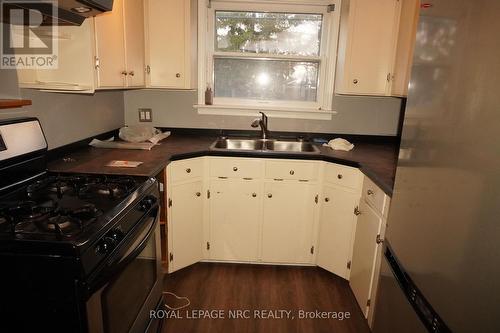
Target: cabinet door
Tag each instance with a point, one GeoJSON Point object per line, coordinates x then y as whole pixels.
{"type": "Point", "coordinates": [336, 230]}
{"type": "Point", "coordinates": [235, 215]}
{"type": "Point", "coordinates": [134, 42]}
{"type": "Point", "coordinates": [110, 47]}
{"type": "Point", "coordinates": [364, 255]}
{"type": "Point", "coordinates": [166, 42]}
{"type": "Point", "coordinates": [371, 46]}
{"type": "Point", "coordinates": [185, 227]}
{"type": "Point", "coordinates": [289, 212]}
{"type": "Point", "coordinates": [75, 71]}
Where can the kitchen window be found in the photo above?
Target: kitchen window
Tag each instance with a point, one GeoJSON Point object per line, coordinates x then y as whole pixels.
{"type": "Point", "coordinates": [278, 57]}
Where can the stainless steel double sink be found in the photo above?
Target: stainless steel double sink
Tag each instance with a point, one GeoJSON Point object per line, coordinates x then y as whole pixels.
{"type": "Point", "coordinates": [264, 145]}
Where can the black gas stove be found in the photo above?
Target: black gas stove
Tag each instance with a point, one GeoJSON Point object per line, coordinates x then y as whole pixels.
{"type": "Point", "coordinates": [75, 249]}
{"type": "Point", "coordinates": [63, 207]}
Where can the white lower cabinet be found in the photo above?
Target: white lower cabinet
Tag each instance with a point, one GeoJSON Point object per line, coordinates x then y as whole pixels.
{"type": "Point", "coordinates": [289, 214]}
{"type": "Point", "coordinates": [336, 232]}
{"type": "Point", "coordinates": [185, 228]}
{"type": "Point", "coordinates": [235, 214]}
{"type": "Point", "coordinates": [365, 248]}
{"type": "Point", "coordinates": [249, 210]}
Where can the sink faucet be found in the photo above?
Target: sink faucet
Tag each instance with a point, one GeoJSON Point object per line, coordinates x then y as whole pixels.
{"type": "Point", "coordinates": [262, 122]}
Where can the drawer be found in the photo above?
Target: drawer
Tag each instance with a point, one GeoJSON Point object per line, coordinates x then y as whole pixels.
{"type": "Point", "coordinates": [236, 167]}
{"type": "Point", "coordinates": [375, 197]}
{"type": "Point", "coordinates": [186, 169]}
{"type": "Point", "coordinates": [292, 170]}
{"type": "Point", "coordinates": [343, 175]}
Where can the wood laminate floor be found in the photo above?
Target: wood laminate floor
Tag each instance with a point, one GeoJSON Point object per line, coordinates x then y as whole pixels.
{"type": "Point", "coordinates": [219, 290]}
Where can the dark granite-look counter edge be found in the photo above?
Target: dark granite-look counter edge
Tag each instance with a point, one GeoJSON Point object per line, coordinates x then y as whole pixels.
{"type": "Point", "coordinates": [376, 160]}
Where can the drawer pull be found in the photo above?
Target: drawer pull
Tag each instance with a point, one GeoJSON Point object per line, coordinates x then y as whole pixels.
{"type": "Point", "coordinates": [339, 176]}
{"type": "Point", "coordinates": [269, 195]}
{"type": "Point", "coordinates": [254, 195]}
{"type": "Point", "coordinates": [292, 172]}
{"type": "Point", "coordinates": [370, 192]}
{"type": "Point", "coordinates": [327, 199]}
{"type": "Point", "coordinates": [198, 194]}
{"type": "Point", "coordinates": [188, 170]}
{"type": "Point", "coordinates": [357, 212]}
{"type": "Point", "coordinates": [235, 169]}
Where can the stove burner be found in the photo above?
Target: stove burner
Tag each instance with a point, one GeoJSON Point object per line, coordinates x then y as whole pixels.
{"type": "Point", "coordinates": [86, 212]}
{"type": "Point", "coordinates": [60, 187]}
{"type": "Point", "coordinates": [111, 188]}
{"type": "Point", "coordinates": [61, 224]}
{"type": "Point", "coordinates": [30, 210]}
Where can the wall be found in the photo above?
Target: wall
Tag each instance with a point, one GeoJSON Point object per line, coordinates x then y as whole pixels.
{"type": "Point", "coordinates": [67, 118]}
{"type": "Point", "coordinates": [356, 115]}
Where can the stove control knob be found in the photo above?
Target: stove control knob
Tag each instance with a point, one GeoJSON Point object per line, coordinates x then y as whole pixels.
{"type": "Point", "coordinates": [116, 235]}
{"type": "Point", "coordinates": [147, 203]}
{"type": "Point", "coordinates": [105, 246]}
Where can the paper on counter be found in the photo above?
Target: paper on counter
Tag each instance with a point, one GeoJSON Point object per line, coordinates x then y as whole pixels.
{"type": "Point", "coordinates": [124, 164]}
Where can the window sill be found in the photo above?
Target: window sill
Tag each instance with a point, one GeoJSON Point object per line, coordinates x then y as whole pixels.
{"type": "Point", "coordinates": [272, 112]}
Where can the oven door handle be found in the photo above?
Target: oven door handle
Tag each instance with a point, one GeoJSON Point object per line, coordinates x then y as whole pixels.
{"type": "Point", "coordinates": [119, 261]}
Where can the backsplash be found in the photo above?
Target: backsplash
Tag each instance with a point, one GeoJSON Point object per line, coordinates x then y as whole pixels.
{"type": "Point", "coordinates": [356, 114]}
{"type": "Point", "coordinates": [67, 118]}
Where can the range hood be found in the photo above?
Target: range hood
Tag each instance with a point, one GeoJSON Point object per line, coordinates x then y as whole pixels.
{"type": "Point", "coordinates": [61, 12]}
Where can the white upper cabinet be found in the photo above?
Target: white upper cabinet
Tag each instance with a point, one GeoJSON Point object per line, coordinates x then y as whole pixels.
{"type": "Point", "coordinates": [119, 42]}
{"type": "Point", "coordinates": [75, 71]}
{"type": "Point", "coordinates": [170, 43]}
{"type": "Point", "coordinates": [134, 42]}
{"type": "Point", "coordinates": [375, 47]}
{"type": "Point", "coordinates": [289, 216]}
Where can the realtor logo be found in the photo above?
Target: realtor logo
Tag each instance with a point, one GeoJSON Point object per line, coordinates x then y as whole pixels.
{"type": "Point", "coordinates": [27, 41]}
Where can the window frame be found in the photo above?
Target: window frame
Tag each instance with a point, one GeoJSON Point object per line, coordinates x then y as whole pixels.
{"type": "Point", "coordinates": [320, 109]}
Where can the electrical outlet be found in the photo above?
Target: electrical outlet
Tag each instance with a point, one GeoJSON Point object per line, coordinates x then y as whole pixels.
{"type": "Point", "coordinates": [145, 115]}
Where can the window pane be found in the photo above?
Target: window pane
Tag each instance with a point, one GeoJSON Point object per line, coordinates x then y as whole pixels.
{"type": "Point", "coordinates": [266, 79]}
{"type": "Point", "coordinates": [271, 33]}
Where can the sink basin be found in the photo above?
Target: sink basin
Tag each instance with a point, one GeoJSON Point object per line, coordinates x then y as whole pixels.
{"type": "Point", "coordinates": [268, 145]}
{"type": "Point", "coordinates": [292, 146]}
{"type": "Point", "coordinates": [239, 144]}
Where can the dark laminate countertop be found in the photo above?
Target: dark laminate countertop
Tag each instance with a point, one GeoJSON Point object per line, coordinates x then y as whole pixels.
{"type": "Point", "coordinates": [376, 160]}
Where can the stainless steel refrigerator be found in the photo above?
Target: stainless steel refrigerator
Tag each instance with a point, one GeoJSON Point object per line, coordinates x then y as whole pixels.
{"type": "Point", "coordinates": [441, 266]}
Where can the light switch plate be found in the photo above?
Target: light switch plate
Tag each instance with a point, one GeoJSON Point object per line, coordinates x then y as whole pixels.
{"type": "Point", "coordinates": [145, 115]}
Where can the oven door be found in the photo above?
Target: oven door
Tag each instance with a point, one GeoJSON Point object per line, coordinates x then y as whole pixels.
{"type": "Point", "coordinates": [130, 284]}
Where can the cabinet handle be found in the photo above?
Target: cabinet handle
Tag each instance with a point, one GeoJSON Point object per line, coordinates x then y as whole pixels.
{"type": "Point", "coordinates": [235, 169]}
{"type": "Point", "coordinates": [178, 75]}
{"type": "Point", "coordinates": [131, 73]}
{"type": "Point", "coordinates": [339, 176]}
{"type": "Point", "coordinates": [327, 199]}
{"type": "Point", "coordinates": [198, 194]}
{"type": "Point", "coordinates": [355, 81]}
{"type": "Point", "coordinates": [369, 192]}
{"type": "Point", "coordinates": [379, 240]}
{"type": "Point", "coordinates": [188, 170]}
{"type": "Point", "coordinates": [254, 195]}
{"type": "Point", "coordinates": [357, 212]}
{"type": "Point", "coordinates": [269, 195]}
{"type": "Point", "coordinates": [292, 172]}
{"type": "Point", "coordinates": [124, 73]}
